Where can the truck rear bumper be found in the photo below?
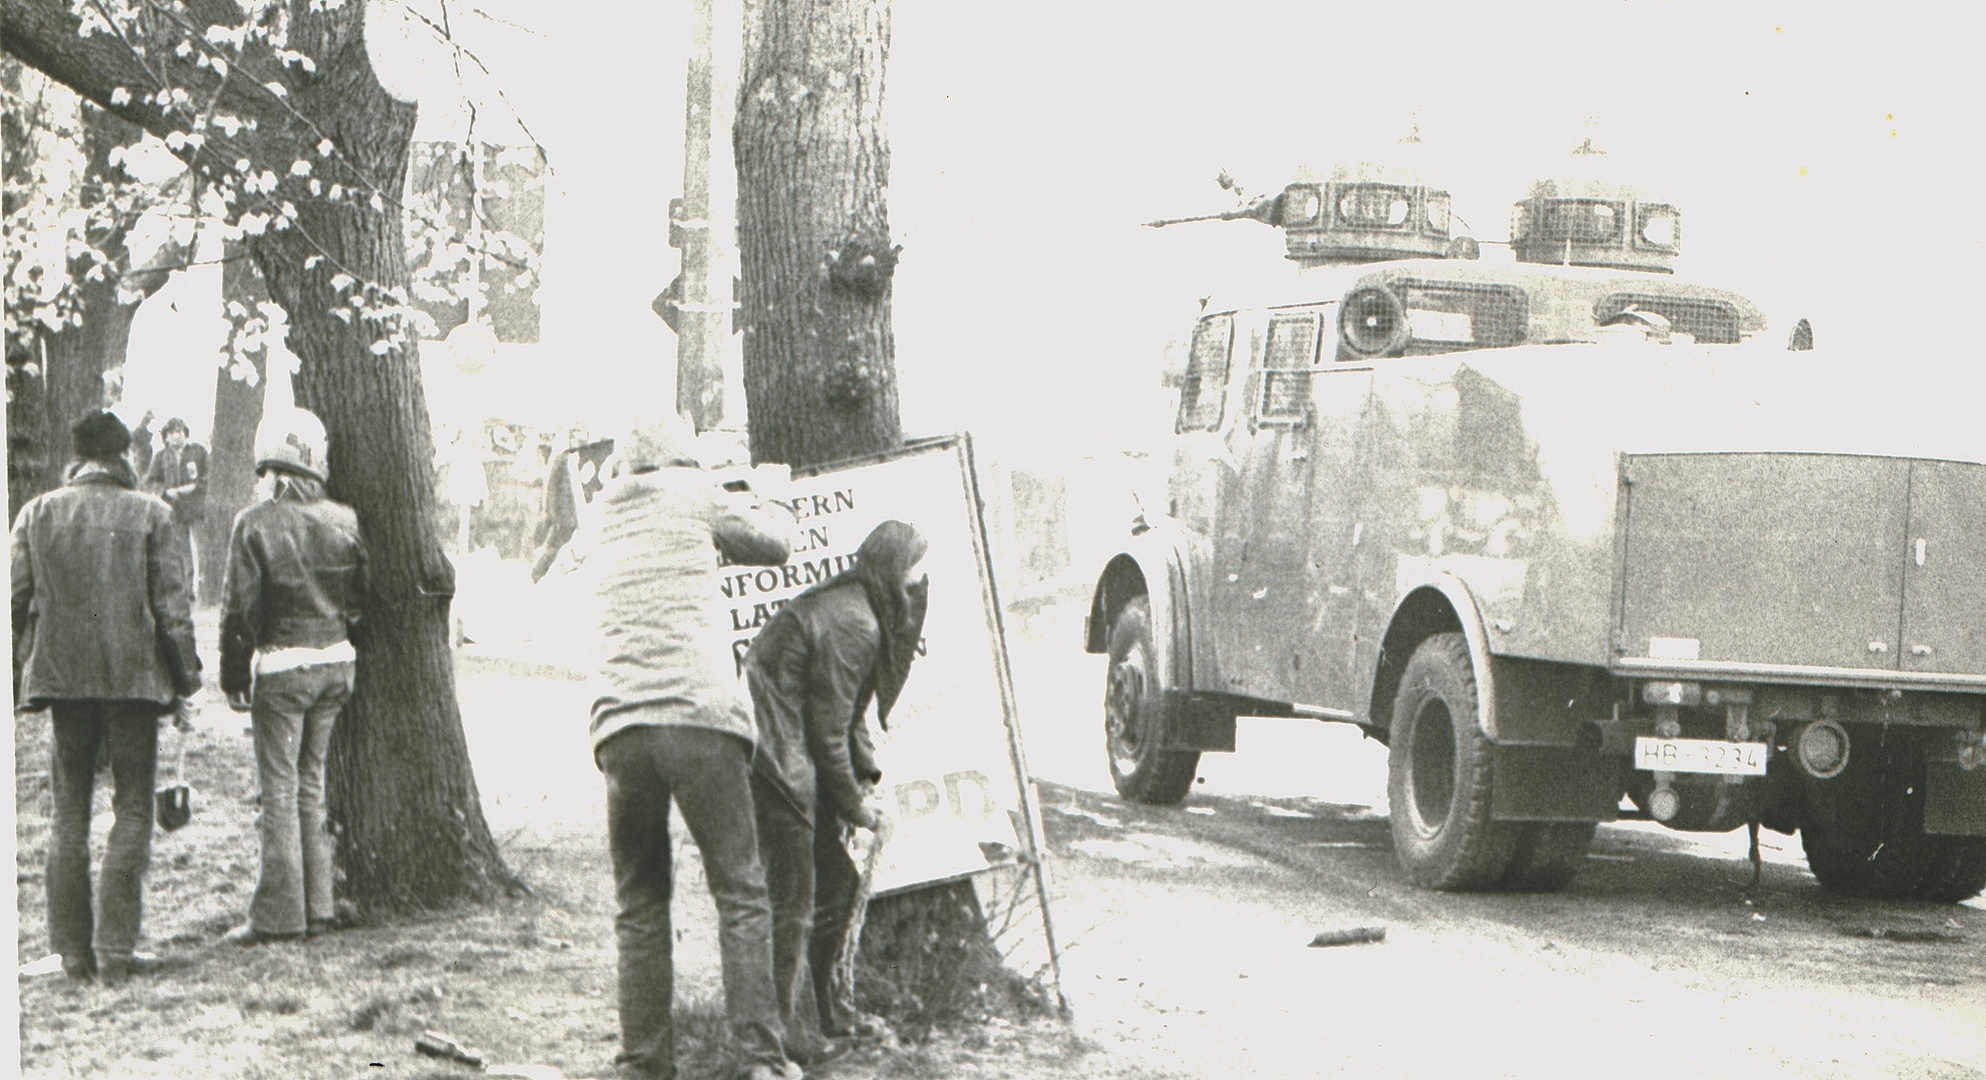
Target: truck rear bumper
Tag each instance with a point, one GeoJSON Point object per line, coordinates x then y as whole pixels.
{"type": "Point", "coordinates": [1636, 667]}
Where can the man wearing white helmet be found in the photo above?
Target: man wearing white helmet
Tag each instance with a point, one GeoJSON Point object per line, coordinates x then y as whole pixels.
{"type": "Point", "coordinates": [296, 584]}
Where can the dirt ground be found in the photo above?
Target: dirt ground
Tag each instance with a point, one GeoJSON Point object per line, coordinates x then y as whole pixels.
{"type": "Point", "coordinates": [1184, 935]}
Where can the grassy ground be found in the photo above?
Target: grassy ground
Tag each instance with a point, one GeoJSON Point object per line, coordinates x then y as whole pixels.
{"type": "Point", "coordinates": [528, 980]}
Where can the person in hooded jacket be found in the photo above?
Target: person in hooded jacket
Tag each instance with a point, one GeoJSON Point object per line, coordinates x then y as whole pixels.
{"type": "Point", "coordinates": [812, 671]}
{"type": "Point", "coordinates": [670, 724]}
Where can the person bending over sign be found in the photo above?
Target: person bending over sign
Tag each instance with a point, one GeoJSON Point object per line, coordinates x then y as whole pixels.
{"type": "Point", "coordinates": [812, 671]}
{"type": "Point", "coordinates": [669, 722]}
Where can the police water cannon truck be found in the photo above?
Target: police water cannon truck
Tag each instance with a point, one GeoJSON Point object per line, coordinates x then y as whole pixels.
{"type": "Point", "coordinates": [1565, 532]}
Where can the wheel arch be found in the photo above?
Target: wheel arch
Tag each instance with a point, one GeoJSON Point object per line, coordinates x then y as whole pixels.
{"type": "Point", "coordinates": [1435, 604]}
{"type": "Point", "coordinates": [1169, 565]}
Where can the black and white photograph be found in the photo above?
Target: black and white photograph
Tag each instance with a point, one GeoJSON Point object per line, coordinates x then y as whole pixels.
{"type": "Point", "coordinates": [874, 540]}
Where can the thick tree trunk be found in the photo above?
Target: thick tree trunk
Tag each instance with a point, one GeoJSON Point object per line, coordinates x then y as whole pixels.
{"type": "Point", "coordinates": [237, 413]}
{"type": "Point", "coordinates": [79, 356]}
{"type": "Point", "coordinates": [817, 268]}
{"type": "Point", "coordinates": [813, 232]}
{"type": "Point", "coordinates": [400, 786]}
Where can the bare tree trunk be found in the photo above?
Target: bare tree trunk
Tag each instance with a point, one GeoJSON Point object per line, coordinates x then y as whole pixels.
{"type": "Point", "coordinates": [813, 232]}
{"type": "Point", "coordinates": [817, 269]}
{"type": "Point", "coordinates": [400, 785]}
{"type": "Point", "coordinates": [77, 358]}
{"type": "Point", "coordinates": [237, 413]}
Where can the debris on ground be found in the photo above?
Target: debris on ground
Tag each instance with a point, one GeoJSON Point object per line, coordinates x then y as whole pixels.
{"type": "Point", "coordinates": [1348, 935]}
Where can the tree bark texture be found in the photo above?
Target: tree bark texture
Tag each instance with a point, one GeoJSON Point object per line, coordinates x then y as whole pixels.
{"type": "Point", "coordinates": [76, 359]}
{"type": "Point", "coordinates": [813, 232]}
{"type": "Point", "coordinates": [400, 787]}
{"type": "Point", "coordinates": [237, 413]}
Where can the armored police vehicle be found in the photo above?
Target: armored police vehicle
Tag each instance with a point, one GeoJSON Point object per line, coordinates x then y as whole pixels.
{"type": "Point", "coordinates": [1560, 530]}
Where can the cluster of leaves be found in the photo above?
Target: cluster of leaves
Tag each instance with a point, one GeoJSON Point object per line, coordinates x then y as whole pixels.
{"type": "Point", "coordinates": [65, 222]}
{"type": "Point", "coordinates": [249, 67]}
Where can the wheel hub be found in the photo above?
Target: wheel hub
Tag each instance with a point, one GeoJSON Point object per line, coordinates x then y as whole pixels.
{"type": "Point", "coordinates": [1127, 688]}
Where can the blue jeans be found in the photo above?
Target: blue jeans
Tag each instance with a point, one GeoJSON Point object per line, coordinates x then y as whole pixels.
{"type": "Point", "coordinates": [706, 772]}
{"type": "Point", "coordinates": [130, 729]}
{"type": "Point", "coordinates": [293, 714]}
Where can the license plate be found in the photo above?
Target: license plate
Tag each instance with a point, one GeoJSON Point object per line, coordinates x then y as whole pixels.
{"type": "Point", "coordinates": [1701, 756]}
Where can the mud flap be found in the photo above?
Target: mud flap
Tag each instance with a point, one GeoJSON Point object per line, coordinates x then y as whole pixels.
{"type": "Point", "coordinates": [1192, 724]}
{"type": "Point", "coordinates": [1954, 800]}
{"type": "Point", "coordinates": [1555, 783]}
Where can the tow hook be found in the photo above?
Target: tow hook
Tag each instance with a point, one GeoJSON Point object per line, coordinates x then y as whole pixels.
{"type": "Point", "coordinates": [1663, 802]}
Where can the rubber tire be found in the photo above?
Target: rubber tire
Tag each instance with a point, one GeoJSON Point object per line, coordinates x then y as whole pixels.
{"type": "Point", "coordinates": [1439, 779]}
{"type": "Point", "coordinates": [1548, 854]}
{"type": "Point", "coordinates": [1874, 846]}
{"type": "Point", "coordinates": [1134, 716]}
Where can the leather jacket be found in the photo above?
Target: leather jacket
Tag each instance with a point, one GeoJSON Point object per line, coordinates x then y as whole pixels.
{"type": "Point", "coordinates": [296, 577]}
{"type": "Point", "coordinates": [101, 605]}
{"type": "Point", "coordinates": [807, 671]}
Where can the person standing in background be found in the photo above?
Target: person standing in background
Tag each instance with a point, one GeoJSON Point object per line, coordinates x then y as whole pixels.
{"type": "Point", "coordinates": [295, 590]}
{"type": "Point", "coordinates": [103, 639]}
{"type": "Point", "coordinates": [140, 455]}
{"type": "Point", "coordinates": [179, 476]}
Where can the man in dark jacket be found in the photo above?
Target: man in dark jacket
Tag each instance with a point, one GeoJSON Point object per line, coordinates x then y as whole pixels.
{"type": "Point", "coordinates": [812, 672]}
{"type": "Point", "coordinates": [179, 476]}
{"type": "Point", "coordinates": [295, 589]}
{"type": "Point", "coordinates": [103, 638]}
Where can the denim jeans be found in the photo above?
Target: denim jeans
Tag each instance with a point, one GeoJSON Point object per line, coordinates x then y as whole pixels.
{"type": "Point", "coordinates": [130, 729]}
{"type": "Point", "coordinates": [811, 879]}
{"type": "Point", "coordinates": [706, 772]}
{"type": "Point", "coordinates": [293, 714]}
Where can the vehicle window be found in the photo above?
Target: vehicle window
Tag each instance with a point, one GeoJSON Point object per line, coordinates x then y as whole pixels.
{"type": "Point", "coordinates": [1707, 319]}
{"type": "Point", "coordinates": [1659, 227]}
{"type": "Point", "coordinates": [1203, 391]}
{"type": "Point", "coordinates": [1371, 206]}
{"type": "Point", "coordinates": [1584, 221]}
{"type": "Point", "coordinates": [1446, 316]}
{"type": "Point", "coordinates": [1284, 388]}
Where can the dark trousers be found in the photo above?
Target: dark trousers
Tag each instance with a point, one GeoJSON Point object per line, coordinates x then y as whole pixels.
{"type": "Point", "coordinates": [707, 773]}
{"type": "Point", "coordinates": [130, 729]}
{"type": "Point", "coordinates": [812, 880]}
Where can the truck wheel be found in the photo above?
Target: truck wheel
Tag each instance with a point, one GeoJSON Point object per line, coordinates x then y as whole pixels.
{"type": "Point", "coordinates": [1134, 716]}
{"type": "Point", "coordinates": [1958, 873]}
{"type": "Point", "coordinates": [1548, 854]}
{"type": "Point", "coordinates": [1874, 846]}
{"type": "Point", "coordinates": [1438, 782]}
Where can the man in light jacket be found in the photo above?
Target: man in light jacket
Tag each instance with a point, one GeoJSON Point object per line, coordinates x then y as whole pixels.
{"type": "Point", "coordinates": [103, 638]}
{"type": "Point", "coordinates": [670, 724]}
